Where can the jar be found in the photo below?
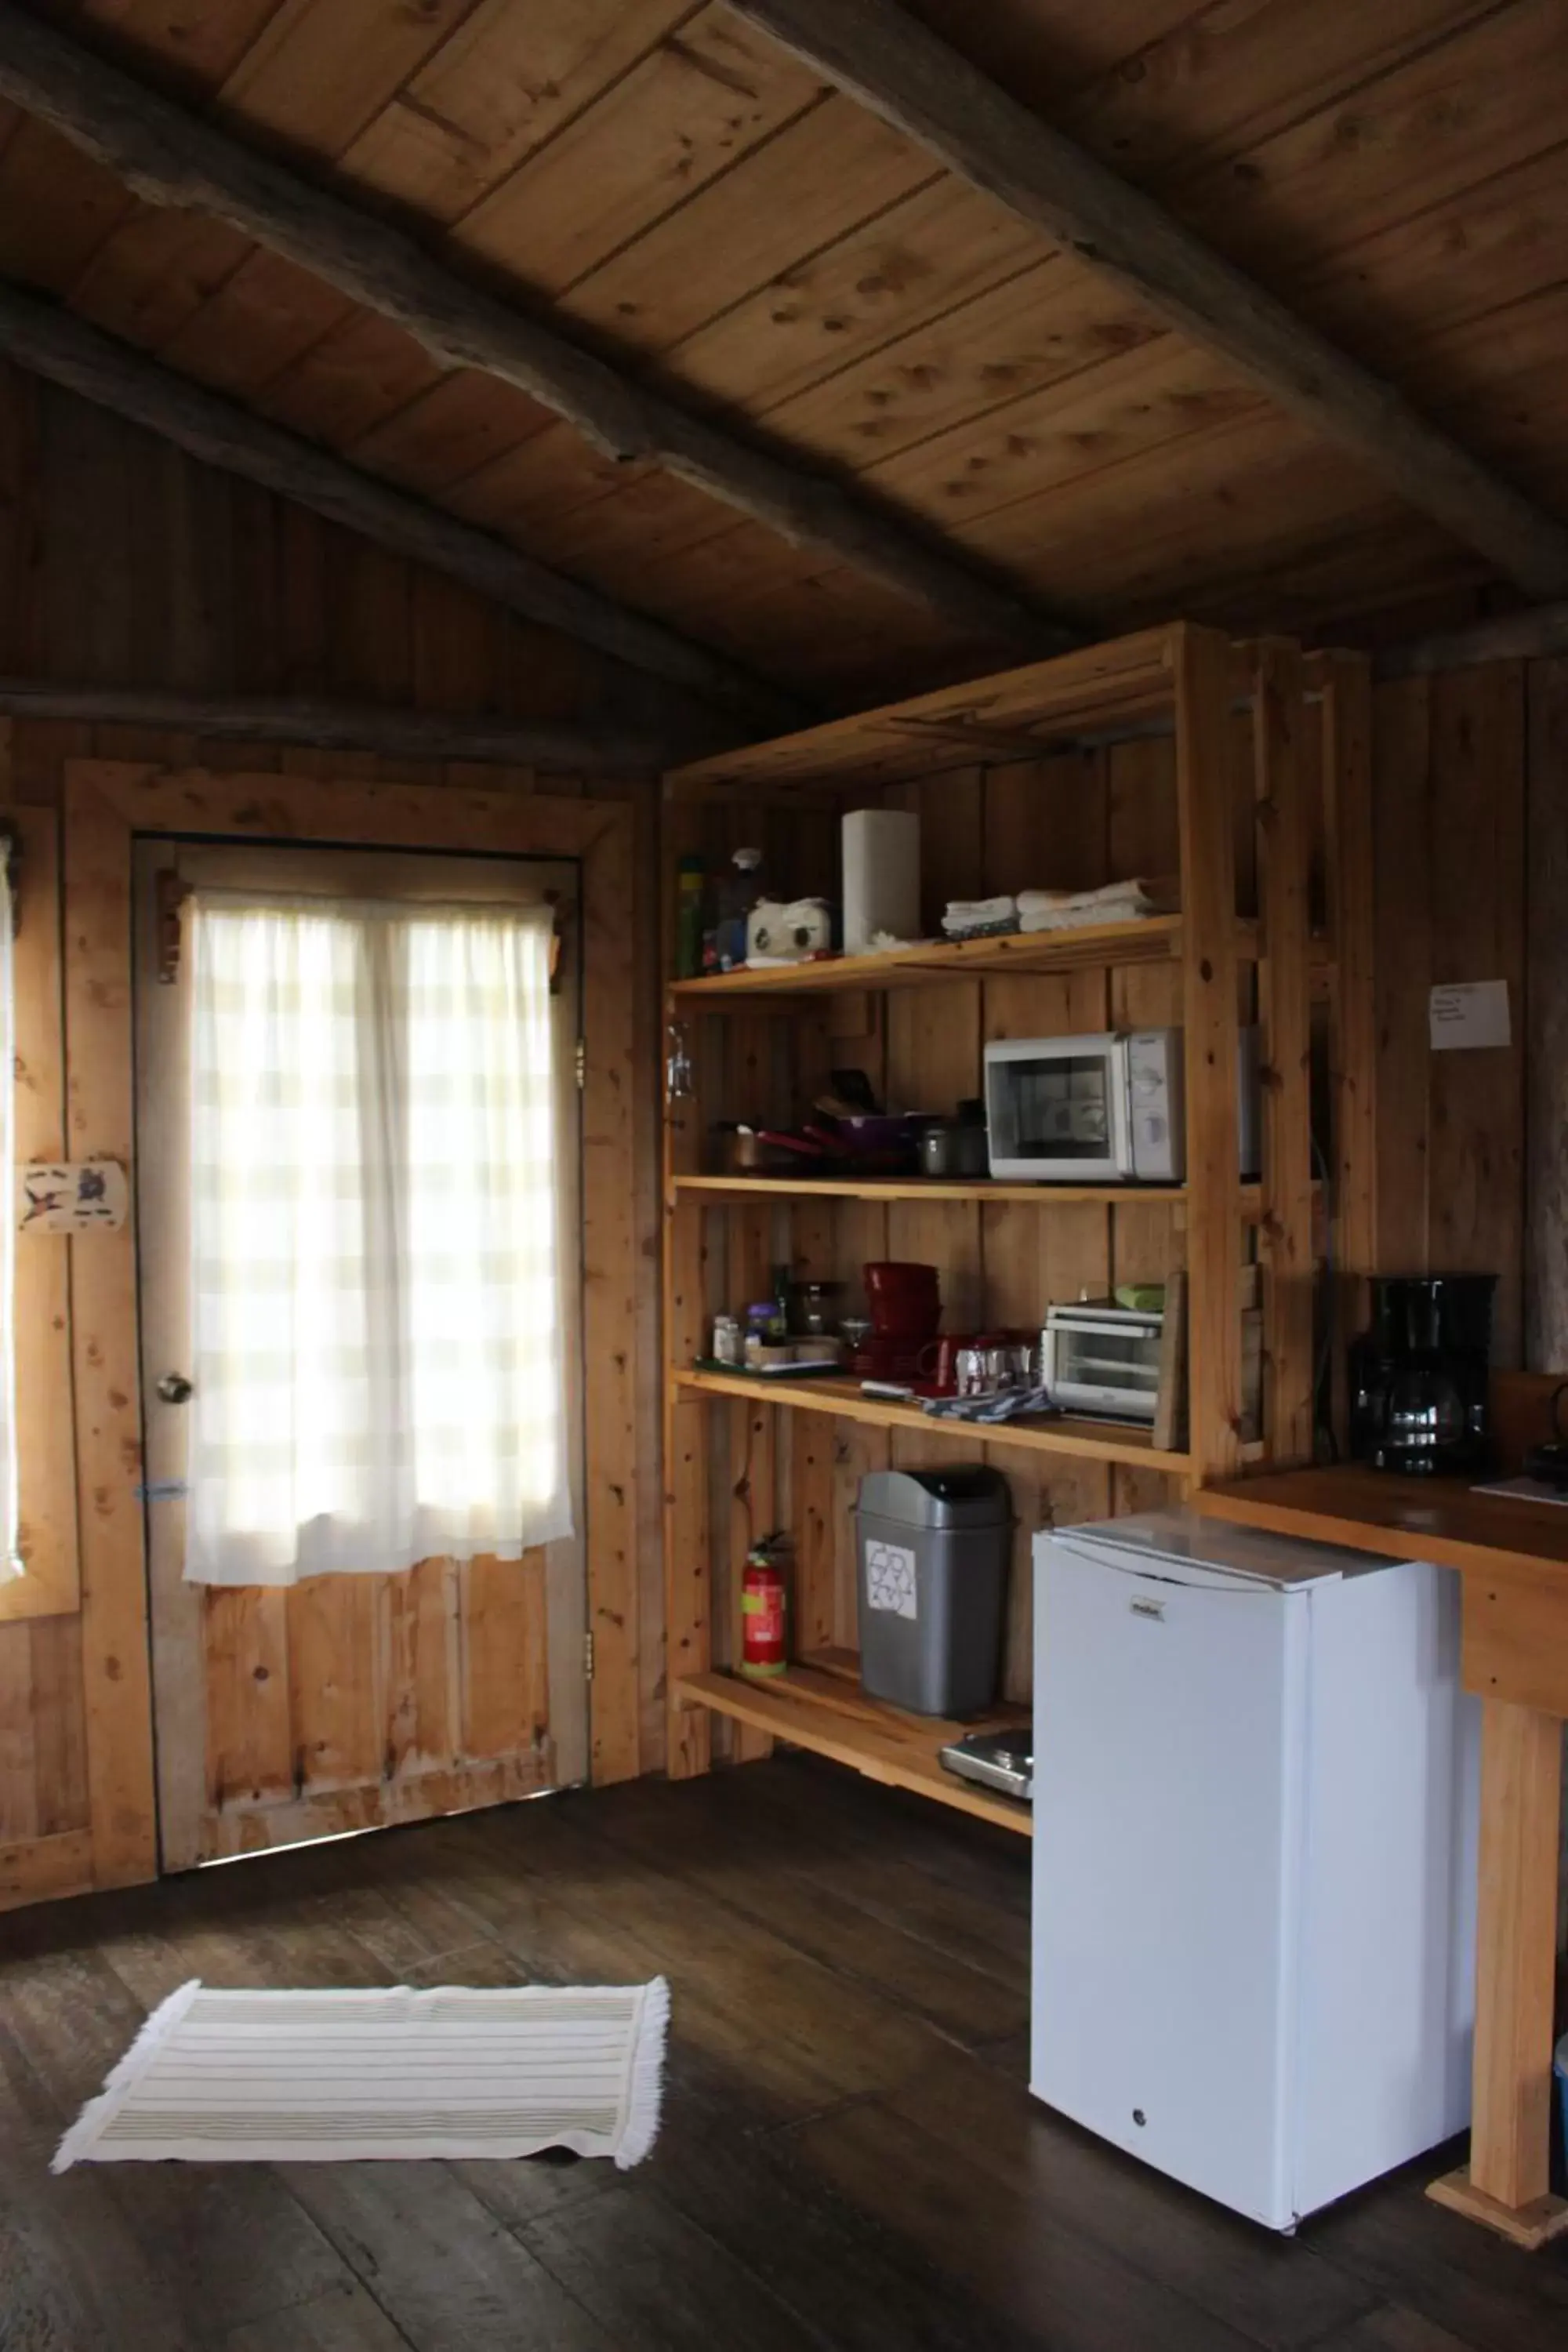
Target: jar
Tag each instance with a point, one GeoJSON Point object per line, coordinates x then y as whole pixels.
{"type": "Point", "coordinates": [728, 1346]}
{"type": "Point", "coordinates": [766, 1326]}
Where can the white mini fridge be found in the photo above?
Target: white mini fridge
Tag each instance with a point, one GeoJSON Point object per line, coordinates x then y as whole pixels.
{"type": "Point", "coordinates": [1256, 1783]}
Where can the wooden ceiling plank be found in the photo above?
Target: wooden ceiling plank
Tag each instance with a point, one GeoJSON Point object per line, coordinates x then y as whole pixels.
{"type": "Point", "coordinates": [695, 106]}
{"type": "Point", "coordinates": [56, 207]}
{"type": "Point", "coordinates": [200, 42]}
{"type": "Point", "coordinates": [1223, 81]}
{"type": "Point", "coordinates": [1393, 293]}
{"type": "Point", "coordinates": [1069, 434]}
{"type": "Point", "coordinates": [489, 97]}
{"type": "Point", "coordinates": [445, 433]}
{"type": "Point", "coordinates": [153, 272]}
{"type": "Point", "coordinates": [68, 352]}
{"type": "Point", "coordinates": [1230, 89]}
{"type": "Point", "coordinates": [1452, 115]}
{"type": "Point", "coordinates": [168, 156]}
{"type": "Point", "coordinates": [264, 319]}
{"type": "Point", "coordinates": [1036, 328]}
{"type": "Point", "coordinates": [360, 373]}
{"type": "Point", "coordinates": [320, 70]}
{"type": "Point", "coordinates": [827, 173]}
{"type": "Point", "coordinates": [889, 62]}
{"type": "Point", "coordinates": [886, 278]}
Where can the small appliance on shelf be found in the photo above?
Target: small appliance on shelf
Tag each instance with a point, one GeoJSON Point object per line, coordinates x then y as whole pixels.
{"type": "Point", "coordinates": [1102, 1110]}
{"type": "Point", "coordinates": [1420, 1376]}
{"type": "Point", "coordinates": [996, 1759]}
{"type": "Point", "coordinates": [905, 1300]}
{"type": "Point", "coordinates": [1099, 1357]}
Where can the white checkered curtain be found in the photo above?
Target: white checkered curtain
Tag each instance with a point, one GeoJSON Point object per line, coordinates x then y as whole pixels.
{"type": "Point", "coordinates": [377, 1320]}
{"type": "Point", "coordinates": [10, 1565]}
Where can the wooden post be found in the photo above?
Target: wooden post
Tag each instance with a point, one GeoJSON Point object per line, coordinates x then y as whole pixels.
{"type": "Point", "coordinates": [1546, 998]}
{"type": "Point", "coordinates": [1344, 681]}
{"type": "Point", "coordinates": [1506, 2183]}
{"type": "Point", "coordinates": [688, 1567]}
{"type": "Point", "coordinates": [101, 1119]}
{"type": "Point", "coordinates": [1202, 666]}
{"type": "Point", "coordinates": [1285, 1058]}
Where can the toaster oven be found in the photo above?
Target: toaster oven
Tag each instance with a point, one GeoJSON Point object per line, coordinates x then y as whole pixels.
{"type": "Point", "coordinates": [1098, 1357]}
{"type": "Point", "coordinates": [1102, 1110]}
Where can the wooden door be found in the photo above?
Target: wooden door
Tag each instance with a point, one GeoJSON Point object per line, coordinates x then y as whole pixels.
{"type": "Point", "coordinates": [342, 1702]}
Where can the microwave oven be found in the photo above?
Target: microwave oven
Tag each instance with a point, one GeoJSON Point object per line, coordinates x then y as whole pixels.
{"type": "Point", "coordinates": [1107, 1110]}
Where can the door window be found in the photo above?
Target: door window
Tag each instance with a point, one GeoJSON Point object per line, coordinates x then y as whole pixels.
{"type": "Point", "coordinates": [375, 1238]}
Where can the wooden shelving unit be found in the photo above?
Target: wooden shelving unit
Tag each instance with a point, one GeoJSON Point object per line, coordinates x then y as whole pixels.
{"type": "Point", "coordinates": [1172, 750]}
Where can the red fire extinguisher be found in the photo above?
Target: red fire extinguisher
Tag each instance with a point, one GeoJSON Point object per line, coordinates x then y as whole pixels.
{"type": "Point", "coordinates": [763, 1609]}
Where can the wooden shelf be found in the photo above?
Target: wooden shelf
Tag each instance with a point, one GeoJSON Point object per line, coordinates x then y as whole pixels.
{"type": "Point", "coordinates": [934, 1188]}
{"type": "Point", "coordinates": [1121, 683]}
{"type": "Point", "coordinates": [1092, 1441]}
{"type": "Point", "coordinates": [827, 1712]}
{"type": "Point", "coordinates": [916, 1188]}
{"type": "Point", "coordinates": [1154, 939]}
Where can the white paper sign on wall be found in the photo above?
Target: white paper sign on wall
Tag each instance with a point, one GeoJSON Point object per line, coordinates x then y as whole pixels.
{"type": "Point", "coordinates": [70, 1196]}
{"type": "Point", "coordinates": [1468, 1014]}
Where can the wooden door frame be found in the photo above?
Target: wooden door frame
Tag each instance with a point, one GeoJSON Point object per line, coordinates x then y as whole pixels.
{"type": "Point", "coordinates": [107, 804]}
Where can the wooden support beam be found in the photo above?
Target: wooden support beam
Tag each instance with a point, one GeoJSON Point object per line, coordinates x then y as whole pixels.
{"type": "Point", "coordinates": [1546, 1011]}
{"type": "Point", "coordinates": [551, 745]}
{"type": "Point", "coordinates": [171, 157]}
{"type": "Point", "coordinates": [1285, 860]}
{"type": "Point", "coordinates": [890, 62]}
{"type": "Point", "coordinates": [52, 343]}
{"type": "Point", "coordinates": [1207, 837]}
{"type": "Point", "coordinates": [1506, 2184]}
{"type": "Point", "coordinates": [1529, 635]}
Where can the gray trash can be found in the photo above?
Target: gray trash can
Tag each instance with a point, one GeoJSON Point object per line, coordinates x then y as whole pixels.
{"type": "Point", "coordinates": [933, 1547]}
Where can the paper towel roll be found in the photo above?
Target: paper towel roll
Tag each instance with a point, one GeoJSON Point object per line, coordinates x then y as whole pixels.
{"type": "Point", "coordinates": [881, 875]}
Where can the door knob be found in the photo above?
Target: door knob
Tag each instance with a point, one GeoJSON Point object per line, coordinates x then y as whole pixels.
{"type": "Point", "coordinates": [175, 1389]}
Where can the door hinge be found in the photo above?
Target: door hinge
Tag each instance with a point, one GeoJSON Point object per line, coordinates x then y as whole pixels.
{"type": "Point", "coordinates": [582, 1064]}
{"type": "Point", "coordinates": [588, 1657]}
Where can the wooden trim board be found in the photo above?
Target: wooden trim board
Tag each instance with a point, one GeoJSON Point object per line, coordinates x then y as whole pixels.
{"type": "Point", "coordinates": [51, 1586]}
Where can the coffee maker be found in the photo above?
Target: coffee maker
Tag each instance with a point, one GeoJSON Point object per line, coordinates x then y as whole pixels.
{"type": "Point", "coordinates": [905, 1300]}
{"type": "Point", "coordinates": [1419, 1376]}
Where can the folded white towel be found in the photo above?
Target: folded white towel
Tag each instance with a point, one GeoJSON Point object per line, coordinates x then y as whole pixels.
{"type": "Point", "coordinates": [1041, 902]}
{"type": "Point", "coordinates": [1076, 916]}
{"type": "Point", "coordinates": [969, 914]}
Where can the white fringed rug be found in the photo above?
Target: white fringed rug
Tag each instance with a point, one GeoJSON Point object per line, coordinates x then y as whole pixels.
{"type": "Point", "coordinates": [258, 2077]}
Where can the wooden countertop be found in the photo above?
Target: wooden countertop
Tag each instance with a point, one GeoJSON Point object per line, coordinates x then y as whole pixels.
{"type": "Point", "coordinates": [1441, 1519]}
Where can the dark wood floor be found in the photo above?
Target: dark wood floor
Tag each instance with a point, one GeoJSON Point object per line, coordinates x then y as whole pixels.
{"type": "Point", "coordinates": [849, 2157]}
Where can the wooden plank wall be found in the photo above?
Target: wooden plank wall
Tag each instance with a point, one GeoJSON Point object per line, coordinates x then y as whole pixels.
{"type": "Point", "coordinates": [123, 563]}
{"type": "Point", "coordinates": [1458, 885]}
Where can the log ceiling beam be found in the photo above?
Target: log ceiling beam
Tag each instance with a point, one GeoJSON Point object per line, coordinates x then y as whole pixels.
{"type": "Point", "coordinates": [170, 157]}
{"type": "Point", "coordinates": [551, 746]}
{"type": "Point", "coordinates": [53, 343]}
{"type": "Point", "coordinates": [892, 65]}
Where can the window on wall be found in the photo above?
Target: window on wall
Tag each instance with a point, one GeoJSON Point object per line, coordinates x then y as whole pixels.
{"type": "Point", "coordinates": [10, 1561]}
{"type": "Point", "coordinates": [377, 1325]}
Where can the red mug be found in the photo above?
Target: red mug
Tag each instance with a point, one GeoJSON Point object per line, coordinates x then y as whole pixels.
{"type": "Point", "coordinates": [938, 1360]}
